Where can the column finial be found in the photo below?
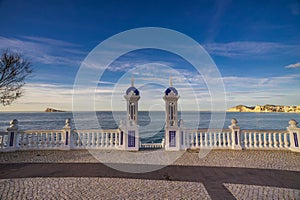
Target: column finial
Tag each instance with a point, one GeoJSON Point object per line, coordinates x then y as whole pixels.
{"type": "Point", "coordinates": [132, 81]}
{"type": "Point", "coordinates": [171, 81]}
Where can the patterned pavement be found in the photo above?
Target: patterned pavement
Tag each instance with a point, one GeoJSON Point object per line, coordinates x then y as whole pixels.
{"type": "Point", "coordinates": [222, 174]}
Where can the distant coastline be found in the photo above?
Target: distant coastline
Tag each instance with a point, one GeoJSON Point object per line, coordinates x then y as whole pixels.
{"type": "Point", "coordinates": [265, 108]}
{"type": "Point", "coordinates": [53, 110]}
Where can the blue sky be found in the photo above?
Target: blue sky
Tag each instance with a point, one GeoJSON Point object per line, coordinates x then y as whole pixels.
{"type": "Point", "coordinates": [255, 45]}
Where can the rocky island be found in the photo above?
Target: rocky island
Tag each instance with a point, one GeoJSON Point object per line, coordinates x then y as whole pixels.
{"type": "Point", "coordinates": [53, 110]}
{"type": "Point", "coordinates": [265, 108]}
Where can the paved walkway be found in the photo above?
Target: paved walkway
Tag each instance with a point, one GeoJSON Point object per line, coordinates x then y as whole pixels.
{"type": "Point", "coordinates": [64, 179]}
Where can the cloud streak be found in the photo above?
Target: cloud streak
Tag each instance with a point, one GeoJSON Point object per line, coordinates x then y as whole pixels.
{"type": "Point", "coordinates": [296, 65]}
{"type": "Point", "coordinates": [44, 50]}
{"type": "Point", "coordinates": [249, 48]}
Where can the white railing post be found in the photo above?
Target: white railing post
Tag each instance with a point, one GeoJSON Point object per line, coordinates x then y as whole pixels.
{"type": "Point", "coordinates": [66, 135]}
{"type": "Point", "coordinates": [294, 132]}
{"type": "Point", "coordinates": [235, 135]}
{"type": "Point", "coordinates": [163, 143]}
{"type": "Point", "coordinates": [13, 134]}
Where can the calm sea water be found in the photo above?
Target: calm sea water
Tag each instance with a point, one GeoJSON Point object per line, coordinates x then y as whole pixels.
{"type": "Point", "coordinates": [151, 123]}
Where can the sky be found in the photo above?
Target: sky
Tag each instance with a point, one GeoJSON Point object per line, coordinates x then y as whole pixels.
{"type": "Point", "coordinates": [255, 46]}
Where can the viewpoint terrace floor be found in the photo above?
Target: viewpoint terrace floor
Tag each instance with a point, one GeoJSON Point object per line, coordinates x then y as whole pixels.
{"type": "Point", "coordinates": [222, 174]}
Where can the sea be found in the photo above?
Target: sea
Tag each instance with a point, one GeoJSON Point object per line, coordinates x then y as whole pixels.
{"type": "Point", "coordinates": [151, 124]}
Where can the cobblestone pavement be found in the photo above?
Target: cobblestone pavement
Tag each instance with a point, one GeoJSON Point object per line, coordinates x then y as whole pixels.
{"type": "Point", "coordinates": [99, 188]}
{"type": "Point", "coordinates": [282, 160]}
{"type": "Point", "coordinates": [222, 174]}
{"type": "Point", "coordinates": [245, 192]}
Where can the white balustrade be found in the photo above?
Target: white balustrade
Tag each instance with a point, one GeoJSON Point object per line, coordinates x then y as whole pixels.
{"type": "Point", "coordinates": [95, 139]}
{"type": "Point", "coordinates": [232, 138]}
{"type": "Point", "coordinates": [201, 138]}
{"type": "Point", "coordinates": [40, 139]}
{"type": "Point", "coordinates": [265, 139]}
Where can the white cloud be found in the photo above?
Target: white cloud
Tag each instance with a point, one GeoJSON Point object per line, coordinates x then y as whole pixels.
{"type": "Point", "coordinates": [44, 50]}
{"type": "Point", "coordinates": [249, 48]}
{"type": "Point", "coordinates": [296, 65]}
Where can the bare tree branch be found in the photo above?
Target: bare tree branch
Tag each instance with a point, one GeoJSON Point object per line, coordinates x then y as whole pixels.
{"type": "Point", "coordinates": [14, 69]}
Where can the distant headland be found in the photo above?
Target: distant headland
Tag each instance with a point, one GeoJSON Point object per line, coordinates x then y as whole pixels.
{"type": "Point", "coordinates": [265, 108]}
{"type": "Point", "coordinates": [53, 110]}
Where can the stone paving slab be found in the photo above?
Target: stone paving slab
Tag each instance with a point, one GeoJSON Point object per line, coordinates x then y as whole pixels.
{"type": "Point", "coordinates": [262, 159]}
{"type": "Point", "coordinates": [245, 192]}
{"type": "Point", "coordinates": [99, 188]}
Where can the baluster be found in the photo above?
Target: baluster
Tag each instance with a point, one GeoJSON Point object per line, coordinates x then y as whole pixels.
{"type": "Point", "coordinates": [245, 140]}
{"type": "Point", "coordinates": [219, 139]}
{"type": "Point", "coordinates": [37, 141]}
{"type": "Point", "coordinates": [2, 141]}
{"type": "Point", "coordinates": [255, 139]}
{"type": "Point", "coordinates": [73, 139]}
{"type": "Point", "coordinates": [215, 139]}
{"type": "Point", "coordinates": [193, 139]}
{"type": "Point", "coordinates": [250, 139]}
{"type": "Point", "coordinates": [229, 139]}
{"type": "Point", "coordinates": [285, 140]}
{"type": "Point", "coordinates": [53, 139]}
{"type": "Point", "coordinates": [265, 140]}
{"type": "Point", "coordinates": [33, 141]}
{"type": "Point", "coordinates": [280, 140]}
{"type": "Point", "coordinates": [90, 139]}
{"type": "Point", "coordinates": [87, 139]}
{"type": "Point", "coordinates": [111, 139]}
{"type": "Point", "coordinates": [270, 140]}
{"type": "Point", "coordinates": [261, 140]}
{"type": "Point", "coordinates": [106, 139]}
{"type": "Point", "coordinates": [276, 140]}
{"type": "Point", "coordinates": [196, 137]}
{"type": "Point", "coordinates": [94, 138]}
{"type": "Point", "coordinates": [85, 136]}
{"type": "Point", "coordinates": [205, 139]}
{"type": "Point", "coordinates": [59, 139]}
{"type": "Point", "coordinates": [42, 140]}
{"type": "Point", "coordinates": [97, 139]}
{"type": "Point", "coordinates": [116, 138]}
{"type": "Point", "coordinates": [224, 139]}
{"type": "Point", "coordinates": [84, 139]}
{"type": "Point", "coordinates": [26, 139]}
{"type": "Point", "coordinates": [102, 139]}
{"type": "Point", "coordinates": [47, 139]}
{"type": "Point", "coordinates": [21, 140]}
{"type": "Point", "coordinates": [56, 139]}
{"type": "Point", "coordinates": [201, 139]}
{"type": "Point", "coordinates": [80, 139]}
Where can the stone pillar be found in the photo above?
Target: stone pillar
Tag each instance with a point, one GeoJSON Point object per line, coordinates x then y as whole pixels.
{"type": "Point", "coordinates": [13, 134]}
{"type": "Point", "coordinates": [66, 136]}
{"type": "Point", "coordinates": [294, 132]}
{"type": "Point", "coordinates": [235, 135]}
{"type": "Point", "coordinates": [172, 130]}
{"type": "Point", "coordinates": [129, 136]}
